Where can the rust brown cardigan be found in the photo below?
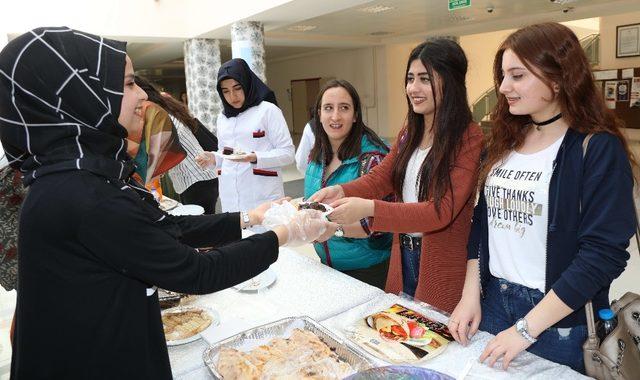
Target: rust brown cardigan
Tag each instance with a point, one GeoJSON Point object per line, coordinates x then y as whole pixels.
{"type": "Point", "coordinates": [443, 258]}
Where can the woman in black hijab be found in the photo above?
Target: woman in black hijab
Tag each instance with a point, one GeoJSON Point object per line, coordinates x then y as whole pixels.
{"type": "Point", "coordinates": [253, 124]}
{"type": "Point", "coordinates": [255, 90]}
{"type": "Point", "coordinates": [93, 243]}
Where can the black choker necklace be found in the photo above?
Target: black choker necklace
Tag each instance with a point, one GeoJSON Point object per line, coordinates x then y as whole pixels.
{"type": "Point", "coordinates": [546, 122]}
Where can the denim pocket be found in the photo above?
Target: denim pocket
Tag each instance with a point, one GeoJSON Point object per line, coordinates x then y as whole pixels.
{"type": "Point", "coordinates": [534, 296]}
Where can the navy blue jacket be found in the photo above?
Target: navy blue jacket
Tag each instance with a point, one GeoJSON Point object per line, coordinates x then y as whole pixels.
{"type": "Point", "coordinates": [586, 250]}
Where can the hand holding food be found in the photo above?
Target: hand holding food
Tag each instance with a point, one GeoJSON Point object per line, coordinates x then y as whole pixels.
{"type": "Point", "coordinates": [257, 214]}
{"type": "Point", "coordinates": [329, 233]}
{"type": "Point", "coordinates": [206, 160]}
{"type": "Point", "coordinates": [238, 155]}
{"type": "Point", "coordinates": [350, 210]}
{"type": "Point", "coordinates": [305, 226]}
{"type": "Point", "coordinates": [328, 194]}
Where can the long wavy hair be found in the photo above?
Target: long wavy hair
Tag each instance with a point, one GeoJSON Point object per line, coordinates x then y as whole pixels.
{"type": "Point", "coordinates": [173, 107]}
{"type": "Point", "coordinates": [322, 152]}
{"type": "Point", "coordinates": [451, 119]}
{"type": "Point", "coordinates": [551, 52]}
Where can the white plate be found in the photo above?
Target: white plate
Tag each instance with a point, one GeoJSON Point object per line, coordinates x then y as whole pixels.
{"type": "Point", "coordinates": [215, 321]}
{"type": "Point", "coordinates": [232, 157]}
{"type": "Point", "coordinates": [167, 203]}
{"type": "Point", "coordinates": [187, 210]}
{"type": "Point", "coordinates": [325, 213]}
{"type": "Point", "coordinates": [260, 281]}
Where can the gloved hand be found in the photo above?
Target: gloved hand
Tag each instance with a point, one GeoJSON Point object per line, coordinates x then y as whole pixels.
{"type": "Point", "coordinates": [305, 226]}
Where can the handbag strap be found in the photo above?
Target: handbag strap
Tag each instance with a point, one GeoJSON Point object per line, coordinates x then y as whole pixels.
{"type": "Point", "coordinates": [588, 308]}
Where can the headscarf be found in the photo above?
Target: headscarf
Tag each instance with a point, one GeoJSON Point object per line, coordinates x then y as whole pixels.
{"type": "Point", "coordinates": [60, 96]}
{"type": "Point", "coordinates": [154, 143]}
{"type": "Point", "coordinates": [255, 90]}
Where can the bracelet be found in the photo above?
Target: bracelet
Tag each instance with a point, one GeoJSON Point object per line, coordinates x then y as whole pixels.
{"type": "Point", "coordinates": [364, 222]}
{"type": "Point", "coordinates": [523, 328]}
{"type": "Point", "coordinates": [246, 220]}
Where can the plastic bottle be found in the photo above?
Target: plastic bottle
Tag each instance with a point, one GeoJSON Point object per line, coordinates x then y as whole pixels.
{"type": "Point", "coordinates": [609, 323]}
{"type": "Point", "coordinates": [155, 188]}
{"type": "Point", "coordinates": [155, 194]}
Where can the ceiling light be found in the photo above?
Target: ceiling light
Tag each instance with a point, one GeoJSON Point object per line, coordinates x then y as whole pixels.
{"type": "Point", "coordinates": [380, 33]}
{"type": "Point", "coordinates": [301, 28]}
{"type": "Point", "coordinates": [563, 2]}
{"type": "Point", "coordinates": [376, 9]}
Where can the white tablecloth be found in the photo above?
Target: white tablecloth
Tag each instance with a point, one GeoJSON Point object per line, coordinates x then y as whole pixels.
{"type": "Point", "coordinates": [303, 287]}
{"type": "Point", "coordinates": [456, 357]}
{"type": "Point", "coordinates": [306, 287]}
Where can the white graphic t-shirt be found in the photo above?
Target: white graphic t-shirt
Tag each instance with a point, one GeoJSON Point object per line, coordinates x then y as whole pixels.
{"type": "Point", "coordinates": [411, 179]}
{"type": "Point", "coordinates": [517, 194]}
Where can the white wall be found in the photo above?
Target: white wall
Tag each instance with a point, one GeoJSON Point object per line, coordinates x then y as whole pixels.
{"type": "Point", "coordinates": [355, 65]}
{"type": "Point", "coordinates": [608, 25]}
{"type": "Point", "coordinates": [396, 100]}
{"type": "Point", "coordinates": [376, 72]}
{"type": "Point", "coordinates": [3, 39]}
{"type": "Point", "coordinates": [480, 50]}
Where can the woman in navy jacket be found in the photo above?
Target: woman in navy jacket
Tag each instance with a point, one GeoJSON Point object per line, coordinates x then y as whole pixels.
{"type": "Point", "coordinates": [551, 227]}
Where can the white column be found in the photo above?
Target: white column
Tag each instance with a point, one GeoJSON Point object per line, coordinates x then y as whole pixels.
{"type": "Point", "coordinates": [247, 42]}
{"type": "Point", "coordinates": [201, 65]}
{"type": "Point", "coordinates": [4, 40]}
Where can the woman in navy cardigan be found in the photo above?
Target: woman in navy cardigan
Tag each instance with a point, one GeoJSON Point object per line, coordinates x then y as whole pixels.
{"type": "Point", "coordinates": [551, 227]}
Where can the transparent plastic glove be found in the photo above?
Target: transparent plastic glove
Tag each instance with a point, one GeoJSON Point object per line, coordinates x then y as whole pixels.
{"type": "Point", "coordinates": [305, 227]}
{"type": "Point", "coordinates": [278, 215]}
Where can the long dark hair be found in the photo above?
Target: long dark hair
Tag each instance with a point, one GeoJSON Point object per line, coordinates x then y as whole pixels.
{"type": "Point", "coordinates": [350, 147]}
{"type": "Point", "coordinates": [173, 107]}
{"type": "Point", "coordinates": [554, 50]}
{"type": "Point", "coordinates": [451, 120]}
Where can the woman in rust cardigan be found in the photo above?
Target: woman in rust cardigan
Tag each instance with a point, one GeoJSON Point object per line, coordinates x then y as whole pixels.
{"type": "Point", "coordinates": [433, 170]}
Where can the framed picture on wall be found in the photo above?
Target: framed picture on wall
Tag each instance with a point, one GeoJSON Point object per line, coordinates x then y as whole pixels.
{"type": "Point", "coordinates": [628, 40]}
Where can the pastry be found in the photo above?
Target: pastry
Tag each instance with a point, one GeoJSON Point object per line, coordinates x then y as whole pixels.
{"type": "Point", "coordinates": [184, 324]}
{"type": "Point", "coordinates": [302, 356]}
{"type": "Point", "coordinates": [313, 206]}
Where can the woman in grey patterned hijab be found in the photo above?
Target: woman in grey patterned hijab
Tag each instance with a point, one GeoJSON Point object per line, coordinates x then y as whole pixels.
{"type": "Point", "coordinates": [93, 243]}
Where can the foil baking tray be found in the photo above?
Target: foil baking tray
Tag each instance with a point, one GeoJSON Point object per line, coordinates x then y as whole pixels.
{"type": "Point", "coordinates": [252, 338]}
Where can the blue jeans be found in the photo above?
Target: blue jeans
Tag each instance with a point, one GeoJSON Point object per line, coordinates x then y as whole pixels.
{"type": "Point", "coordinates": [505, 302]}
{"type": "Point", "coordinates": [410, 269]}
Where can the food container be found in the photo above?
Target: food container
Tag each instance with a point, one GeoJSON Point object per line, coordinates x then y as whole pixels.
{"type": "Point", "coordinates": [249, 339]}
{"type": "Point", "coordinates": [168, 299]}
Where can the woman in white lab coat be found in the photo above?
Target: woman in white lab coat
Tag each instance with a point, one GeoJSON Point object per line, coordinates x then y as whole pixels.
{"type": "Point", "coordinates": [252, 123]}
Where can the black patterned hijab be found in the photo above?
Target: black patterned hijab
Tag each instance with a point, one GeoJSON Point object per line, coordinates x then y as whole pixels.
{"type": "Point", "coordinates": [255, 90]}
{"type": "Point", "coordinates": [60, 96]}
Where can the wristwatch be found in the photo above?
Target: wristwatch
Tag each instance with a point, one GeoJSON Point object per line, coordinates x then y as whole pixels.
{"type": "Point", "coordinates": [523, 329]}
{"type": "Point", "coordinates": [339, 231]}
{"type": "Point", "coordinates": [246, 221]}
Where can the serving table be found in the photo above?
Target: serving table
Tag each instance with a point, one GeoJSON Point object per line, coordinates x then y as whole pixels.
{"type": "Point", "coordinates": [457, 361]}
{"type": "Point", "coordinates": [307, 287]}
{"type": "Point", "coordinates": [303, 287]}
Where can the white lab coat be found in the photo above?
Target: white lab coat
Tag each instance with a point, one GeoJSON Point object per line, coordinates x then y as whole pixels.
{"type": "Point", "coordinates": [263, 130]}
{"type": "Point", "coordinates": [304, 148]}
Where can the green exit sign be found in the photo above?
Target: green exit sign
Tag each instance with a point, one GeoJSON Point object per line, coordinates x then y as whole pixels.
{"type": "Point", "coordinates": [458, 4]}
